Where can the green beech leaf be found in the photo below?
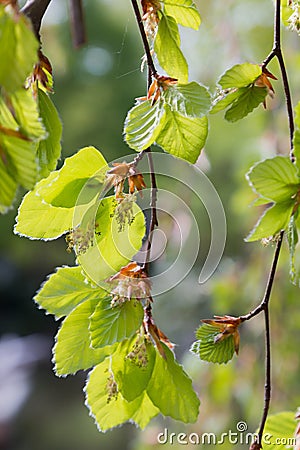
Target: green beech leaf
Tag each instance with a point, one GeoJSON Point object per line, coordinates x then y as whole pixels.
{"type": "Point", "coordinates": [297, 115]}
{"type": "Point", "coordinates": [182, 136]}
{"type": "Point", "coordinates": [170, 389]}
{"type": "Point", "coordinates": [120, 229]}
{"type": "Point", "coordinates": [38, 220]}
{"type": "Point", "coordinates": [167, 49]}
{"type": "Point", "coordinates": [240, 75]}
{"type": "Point", "coordinates": [114, 324]}
{"type": "Point", "coordinates": [207, 349]}
{"type": "Point", "coordinates": [143, 124]}
{"type": "Point", "coordinates": [249, 99]}
{"type": "Point", "coordinates": [85, 169]}
{"type": "Point", "coordinates": [65, 289]}
{"type": "Point", "coordinates": [296, 142]}
{"type": "Point", "coordinates": [224, 100]}
{"type": "Point", "coordinates": [72, 350]}
{"type": "Point", "coordinates": [184, 12]}
{"type": "Point", "coordinates": [18, 153]}
{"type": "Point", "coordinates": [49, 149]}
{"type": "Point", "coordinates": [134, 360]}
{"type": "Point", "coordinates": [189, 100]}
{"type": "Point", "coordinates": [111, 412]}
{"type": "Point", "coordinates": [18, 49]}
{"type": "Point", "coordinates": [275, 179]}
{"type": "Point", "coordinates": [273, 220]}
{"type": "Point", "coordinates": [279, 431]}
{"type": "Point", "coordinates": [26, 111]}
{"type": "Point", "coordinates": [8, 186]}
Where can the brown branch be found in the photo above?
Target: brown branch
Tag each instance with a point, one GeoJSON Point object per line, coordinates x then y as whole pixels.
{"type": "Point", "coordinates": [35, 10]}
{"type": "Point", "coordinates": [77, 23]}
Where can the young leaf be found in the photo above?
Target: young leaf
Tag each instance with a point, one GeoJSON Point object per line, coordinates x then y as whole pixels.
{"type": "Point", "coordinates": [108, 406]}
{"type": "Point", "coordinates": [279, 431]}
{"type": "Point", "coordinates": [8, 186]}
{"type": "Point", "coordinates": [224, 100]}
{"type": "Point", "coordinates": [273, 220]}
{"type": "Point", "coordinates": [65, 289]}
{"type": "Point", "coordinates": [72, 350]}
{"type": "Point", "coordinates": [184, 12]}
{"type": "Point", "coordinates": [240, 75]}
{"type": "Point", "coordinates": [249, 98]}
{"type": "Point", "coordinates": [85, 169]}
{"type": "Point", "coordinates": [182, 136]}
{"type": "Point", "coordinates": [18, 49]}
{"type": "Point", "coordinates": [143, 124]}
{"type": "Point", "coordinates": [167, 49]}
{"type": "Point", "coordinates": [120, 229]}
{"type": "Point", "coordinates": [170, 389]}
{"type": "Point", "coordinates": [114, 324]}
{"type": "Point", "coordinates": [296, 142]}
{"type": "Point", "coordinates": [189, 100]}
{"type": "Point", "coordinates": [210, 348]}
{"type": "Point", "coordinates": [275, 179]}
{"type": "Point", "coordinates": [49, 149]}
{"type": "Point", "coordinates": [134, 360]}
{"type": "Point", "coordinates": [26, 112]}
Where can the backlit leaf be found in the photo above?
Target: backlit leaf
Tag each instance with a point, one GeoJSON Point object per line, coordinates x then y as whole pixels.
{"type": "Point", "coordinates": [8, 186]}
{"type": "Point", "coordinates": [18, 49]}
{"type": "Point", "coordinates": [111, 413]}
{"type": "Point", "coordinates": [167, 49]}
{"type": "Point", "coordinates": [65, 289]}
{"type": "Point", "coordinates": [224, 100]}
{"type": "Point", "coordinates": [143, 124]}
{"type": "Point", "coordinates": [292, 237]}
{"type": "Point", "coordinates": [273, 220]}
{"type": "Point", "coordinates": [190, 100]}
{"type": "Point", "coordinates": [275, 179]}
{"type": "Point", "coordinates": [279, 431]}
{"type": "Point", "coordinates": [240, 75]}
{"type": "Point", "coordinates": [244, 104]}
{"type": "Point", "coordinates": [170, 389]}
{"type": "Point", "coordinates": [208, 349]}
{"type": "Point", "coordinates": [72, 350]}
{"type": "Point", "coordinates": [183, 137]}
{"type": "Point", "coordinates": [49, 149]}
{"type": "Point", "coordinates": [114, 324]}
{"type": "Point", "coordinates": [184, 12]}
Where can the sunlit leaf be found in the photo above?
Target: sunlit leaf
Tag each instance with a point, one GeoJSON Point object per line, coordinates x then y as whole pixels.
{"type": "Point", "coordinates": [72, 350]}
{"type": "Point", "coordinates": [114, 324]}
{"type": "Point", "coordinates": [296, 150]}
{"type": "Point", "coordinates": [224, 100]}
{"type": "Point", "coordinates": [26, 112]}
{"type": "Point", "coordinates": [292, 237]}
{"type": "Point", "coordinates": [119, 235]}
{"type": "Point", "coordinates": [240, 75]}
{"type": "Point", "coordinates": [275, 179]}
{"type": "Point", "coordinates": [134, 360]}
{"type": "Point", "coordinates": [85, 169]}
{"type": "Point", "coordinates": [170, 389]}
{"type": "Point", "coordinates": [279, 431]}
{"type": "Point", "coordinates": [66, 289]}
{"type": "Point", "coordinates": [143, 124]}
{"type": "Point", "coordinates": [111, 412]}
{"type": "Point", "coordinates": [167, 49]}
{"type": "Point", "coordinates": [209, 348]}
{"type": "Point", "coordinates": [183, 137]}
{"type": "Point", "coordinates": [249, 99]}
{"type": "Point", "coordinates": [49, 149]}
{"type": "Point", "coordinates": [190, 100]}
{"type": "Point", "coordinates": [18, 49]}
{"type": "Point", "coordinates": [273, 220]}
{"type": "Point", "coordinates": [184, 12]}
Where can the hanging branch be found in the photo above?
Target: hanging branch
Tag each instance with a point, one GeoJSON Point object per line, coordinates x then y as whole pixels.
{"type": "Point", "coordinates": [153, 197]}
{"type": "Point", "coordinates": [35, 10]}
{"type": "Point", "coordinates": [264, 305]}
{"type": "Point", "coordinates": [77, 23]}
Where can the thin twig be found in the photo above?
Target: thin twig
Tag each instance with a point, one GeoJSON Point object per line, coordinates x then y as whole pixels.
{"type": "Point", "coordinates": [77, 23]}
{"type": "Point", "coordinates": [35, 10]}
{"type": "Point", "coordinates": [139, 20]}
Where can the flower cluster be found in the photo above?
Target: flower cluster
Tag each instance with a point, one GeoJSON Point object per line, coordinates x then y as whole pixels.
{"type": "Point", "coordinates": [111, 388]}
{"type": "Point", "coordinates": [80, 240]}
{"type": "Point", "coordinates": [138, 354]}
{"type": "Point", "coordinates": [150, 16]}
{"type": "Point", "coordinates": [294, 19]}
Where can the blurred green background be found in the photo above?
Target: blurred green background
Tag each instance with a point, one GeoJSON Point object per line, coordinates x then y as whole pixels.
{"type": "Point", "coordinates": [94, 88]}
